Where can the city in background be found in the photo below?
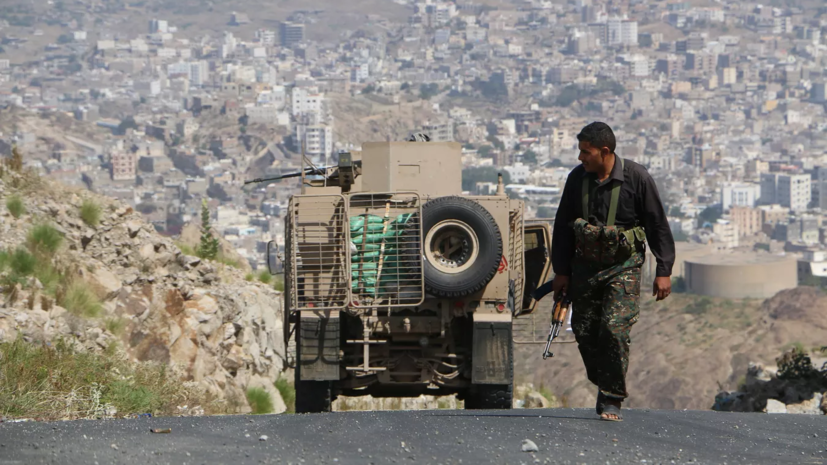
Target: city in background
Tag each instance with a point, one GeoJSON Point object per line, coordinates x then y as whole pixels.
{"type": "Point", "coordinates": [164, 105]}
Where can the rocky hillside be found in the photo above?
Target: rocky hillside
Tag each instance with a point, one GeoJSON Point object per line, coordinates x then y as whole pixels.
{"type": "Point", "coordinates": [789, 390]}
{"type": "Point", "coordinates": [112, 283]}
{"type": "Point", "coordinates": [688, 348]}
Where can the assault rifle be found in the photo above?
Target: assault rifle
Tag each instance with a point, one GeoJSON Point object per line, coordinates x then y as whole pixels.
{"type": "Point", "coordinates": [558, 319]}
{"type": "Point", "coordinates": [558, 313]}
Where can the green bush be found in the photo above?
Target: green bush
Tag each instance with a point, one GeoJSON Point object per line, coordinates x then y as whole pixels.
{"type": "Point", "coordinates": [249, 277]}
{"type": "Point", "coordinates": [81, 301]}
{"type": "Point", "coordinates": [22, 263]}
{"type": "Point", "coordinates": [15, 206]}
{"type": "Point", "coordinates": [56, 382]}
{"type": "Point", "coordinates": [259, 401]}
{"type": "Point", "coordinates": [278, 283]}
{"type": "Point", "coordinates": [288, 393]}
{"type": "Point", "coordinates": [90, 213]}
{"type": "Point", "coordinates": [265, 277]}
{"type": "Point", "coordinates": [48, 276]}
{"type": "Point", "coordinates": [44, 239]}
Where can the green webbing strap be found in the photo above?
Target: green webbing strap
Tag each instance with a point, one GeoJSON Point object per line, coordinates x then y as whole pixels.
{"type": "Point", "coordinates": [612, 206]}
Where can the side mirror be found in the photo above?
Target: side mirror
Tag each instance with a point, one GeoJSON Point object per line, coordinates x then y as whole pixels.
{"type": "Point", "coordinates": [272, 257]}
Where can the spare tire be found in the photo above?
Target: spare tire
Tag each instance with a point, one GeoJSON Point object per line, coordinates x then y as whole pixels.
{"type": "Point", "coordinates": [462, 246]}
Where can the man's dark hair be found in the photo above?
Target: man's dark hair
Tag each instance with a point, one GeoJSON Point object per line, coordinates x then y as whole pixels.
{"type": "Point", "coordinates": [598, 135]}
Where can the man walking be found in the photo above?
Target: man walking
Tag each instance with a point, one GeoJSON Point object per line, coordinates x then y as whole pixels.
{"type": "Point", "coordinates": [610, 206]}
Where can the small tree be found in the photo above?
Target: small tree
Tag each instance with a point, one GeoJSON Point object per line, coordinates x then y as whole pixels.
{"type": "Point", "coordinates": [15, 163]}
{"type": "Point", "coordinates": [209, 244]}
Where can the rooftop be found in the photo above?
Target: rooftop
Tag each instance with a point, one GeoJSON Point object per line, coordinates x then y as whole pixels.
{"type": "Point", "coordinates": [739, 259]}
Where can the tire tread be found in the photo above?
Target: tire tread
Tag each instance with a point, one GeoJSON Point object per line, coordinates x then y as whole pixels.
{"type": "Point", "coordinates": [462, 202]}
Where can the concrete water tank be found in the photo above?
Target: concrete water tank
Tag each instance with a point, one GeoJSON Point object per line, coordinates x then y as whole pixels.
{"type": "Point", "coordinates": [740, 275]}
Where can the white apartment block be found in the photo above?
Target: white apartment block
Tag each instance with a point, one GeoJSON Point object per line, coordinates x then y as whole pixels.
{"type": "Point", "coordinates": [793, 191]}
{"type": "Point", "coordinates": [739, 195]}
{"type": "Point", "coordinates": [621, 32]}
{"type": "Point", "coordinates": [318, 140]}
{"type": "Point", "coordinates": [307, 100]}
{"type": "Point", "coordinates": [726, 232]}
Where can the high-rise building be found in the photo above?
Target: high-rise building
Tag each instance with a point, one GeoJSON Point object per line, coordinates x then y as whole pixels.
{"type": "Point", "coordinates": [613, 31]}
{"type": "Point", "coordinates": [628, 32]}
{"type": "Point", "coordinates": [291, 34]}
{"type": "Point", "coordinates": [791, 191]}
{"type": "Point", "coordinates": [307, 100]}
{"type": "Point", "coordinates": [769, 188]}
{"type": "Point", "coordinates": [621, 32]}
{"type": "Point", "coordinates": [317, 139]}
{"type": "Point", "coordinates": [198, 73]}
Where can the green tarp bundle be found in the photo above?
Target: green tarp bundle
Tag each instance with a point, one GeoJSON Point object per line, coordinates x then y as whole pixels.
{"type": "Point", "coordinates": [368, 246]}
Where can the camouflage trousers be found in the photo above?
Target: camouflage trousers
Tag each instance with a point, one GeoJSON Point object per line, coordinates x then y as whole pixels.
{"type": "Point", "coordinates": [605, 305]}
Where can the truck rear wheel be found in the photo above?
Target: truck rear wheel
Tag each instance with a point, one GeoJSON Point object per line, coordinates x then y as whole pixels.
{"type": "Point", "coordinates": [311, 396]}
{"type": "Point", "coordinates": [462, 246]}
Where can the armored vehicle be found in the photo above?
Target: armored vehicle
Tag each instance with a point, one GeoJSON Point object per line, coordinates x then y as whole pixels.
{"type": "Point", "coordinates": [397, 284]}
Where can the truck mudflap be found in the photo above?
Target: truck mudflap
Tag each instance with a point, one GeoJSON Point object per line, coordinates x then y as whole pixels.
{"type": "Point", "coordinates": [492, 349]}
{"type": "Point", "coordinates": [319, 345]}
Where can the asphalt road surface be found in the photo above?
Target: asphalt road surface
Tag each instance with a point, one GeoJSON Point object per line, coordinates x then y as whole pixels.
{"type": "Point", "coordinates": [564, 436]}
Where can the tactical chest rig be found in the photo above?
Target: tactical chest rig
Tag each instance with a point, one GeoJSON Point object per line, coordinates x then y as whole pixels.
{"type": "Point", "coordinates": [607, 244]}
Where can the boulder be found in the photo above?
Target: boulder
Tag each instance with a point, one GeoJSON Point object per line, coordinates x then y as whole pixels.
{"type": "Point", "coordinates": [188, 261]}
{"type": "Point", "coordinates": [147, 252]}
{"type": "Point", "coordinates": [775, 406]}
{"type": "Point", "coordinates": [105, 281]}
{"type": "Point", "coordinates": [133, 228]}
{"type": "Point", "coordinates": [808, 407]}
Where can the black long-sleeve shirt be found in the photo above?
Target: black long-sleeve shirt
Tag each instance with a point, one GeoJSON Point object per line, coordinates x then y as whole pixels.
{"type": "Point", "coordinates": [639, 204]}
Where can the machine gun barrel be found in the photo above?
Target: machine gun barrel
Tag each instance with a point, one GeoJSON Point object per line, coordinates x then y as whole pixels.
{"type": "Point", "coordinates": [311, 170]}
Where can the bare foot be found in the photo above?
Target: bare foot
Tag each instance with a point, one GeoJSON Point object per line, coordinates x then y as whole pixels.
{"type": "Point", "coordinates": [608, 415]}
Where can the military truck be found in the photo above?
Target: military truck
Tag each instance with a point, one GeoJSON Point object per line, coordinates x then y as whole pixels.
{"type": "Point", "coordinates": [397, 284]}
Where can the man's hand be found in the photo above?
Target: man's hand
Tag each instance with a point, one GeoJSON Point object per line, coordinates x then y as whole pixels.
{"type": "Point", "coordinates": [561, 284]}
{"type": "Point", "coordinates": [662, 287]}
